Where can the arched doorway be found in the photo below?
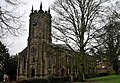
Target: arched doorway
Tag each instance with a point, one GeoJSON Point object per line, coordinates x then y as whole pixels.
{"type": "Point", "coordinates": [62, 71]}
{"type": "Point", "coordinates": [32, 72]}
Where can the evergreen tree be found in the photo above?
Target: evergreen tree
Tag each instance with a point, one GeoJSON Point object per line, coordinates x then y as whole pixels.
{"type": "Point", "coordinates": [8, 64]}
{"type": "Point", "coordinates": [4, 60]}
{"type": "Point", "coordinates": [12, 71]}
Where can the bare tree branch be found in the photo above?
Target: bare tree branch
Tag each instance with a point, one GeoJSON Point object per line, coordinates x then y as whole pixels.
{"type": "Point", "coordinates": [10, 21]}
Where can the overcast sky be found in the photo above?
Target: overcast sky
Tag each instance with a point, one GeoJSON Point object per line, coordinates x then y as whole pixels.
{"type": "Point", "coordinates": [17, 44]}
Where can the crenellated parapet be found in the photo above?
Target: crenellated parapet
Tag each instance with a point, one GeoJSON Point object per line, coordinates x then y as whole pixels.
{"type": "Point", "coordinates": [40, 12]}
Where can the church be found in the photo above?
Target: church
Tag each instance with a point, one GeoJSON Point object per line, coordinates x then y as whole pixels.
{"type": "Point", "coordinates": [41, 57]}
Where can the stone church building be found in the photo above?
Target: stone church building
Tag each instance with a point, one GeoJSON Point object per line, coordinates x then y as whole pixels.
{"type": "Point", "coordinates": [41, 57]}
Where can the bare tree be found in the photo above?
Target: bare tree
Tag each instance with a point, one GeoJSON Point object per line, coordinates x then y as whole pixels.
{"type": "Point", "coordinates": [74, 25]}
{"type": "Point", "coordinates": [116, 10]}
{"type": "Point", "coordinates": [13, 2]}
{"type": "Point", "coordinates": [10, 22]}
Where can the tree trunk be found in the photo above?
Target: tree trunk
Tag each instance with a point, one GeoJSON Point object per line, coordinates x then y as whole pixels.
{"type": "Point", "coordinates": [115, 67]}
{"type": "Point", "coordinates": [81, 71]}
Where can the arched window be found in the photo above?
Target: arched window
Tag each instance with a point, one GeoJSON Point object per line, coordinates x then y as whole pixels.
{"type": "Point", "coordinates": [33, 54]}
{"type": "Point", "coordinates": [70, 63]}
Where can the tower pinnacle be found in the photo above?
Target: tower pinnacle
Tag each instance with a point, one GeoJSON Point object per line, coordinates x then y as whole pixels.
{"type": "Point", "coordinates": [49, 10]}
{"type": "Point", "coordinates": [32, 9]}
{"type": "Point", "coordinates": [41, 6]}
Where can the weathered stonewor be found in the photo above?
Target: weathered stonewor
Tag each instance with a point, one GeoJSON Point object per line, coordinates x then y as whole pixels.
{"type": "Point", "coordinates": [44, 80]}
{"type": "Point", "coordinates": [20, 81]}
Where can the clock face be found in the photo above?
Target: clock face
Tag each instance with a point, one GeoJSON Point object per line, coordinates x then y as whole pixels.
{"type": "Point", "coordinates": [34, 22]}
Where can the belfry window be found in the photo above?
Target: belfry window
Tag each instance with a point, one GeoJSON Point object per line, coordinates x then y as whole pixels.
{"type": "Point", "coordinates": [32, 32]}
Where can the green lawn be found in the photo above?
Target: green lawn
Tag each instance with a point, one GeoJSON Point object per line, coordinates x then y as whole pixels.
{"type": "Point", "coordinates": [104, 79]}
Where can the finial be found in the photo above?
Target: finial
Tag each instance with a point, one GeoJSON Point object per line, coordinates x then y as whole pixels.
{"type": "Point", "coordinates": [0, 10]}
{"type": "Point", "coordinates": [41, 6]}
{"type": "Point", "coordinates": [32, 9]}
{"type": "Point", "coordinates": [49, 10]}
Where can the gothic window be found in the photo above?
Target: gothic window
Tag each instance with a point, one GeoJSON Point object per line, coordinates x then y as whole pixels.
{"type": "Point", "coordinates": [33, 54]}
{"type": "Point", "coordinates": [69, 63]}
{"type": "Point", "coordinates": [24, 62]}
{"type": "Point", "coordinates": [49, 60]}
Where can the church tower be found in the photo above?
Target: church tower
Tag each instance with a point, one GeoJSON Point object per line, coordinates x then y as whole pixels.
{"type": "Point", "coordinates": [40, 25]}
{"type": "Point", "coordinates": [39, 36]}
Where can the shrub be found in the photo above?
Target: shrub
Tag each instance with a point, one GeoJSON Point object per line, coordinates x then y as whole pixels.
{"type": "Point", "coordinates": [50, 79]}
{"type": "Point", "coordinates": [112, 72]}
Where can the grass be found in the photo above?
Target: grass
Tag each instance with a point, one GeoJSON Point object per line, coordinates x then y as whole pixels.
{"type": "Point", "coordinates": [104, 79]}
